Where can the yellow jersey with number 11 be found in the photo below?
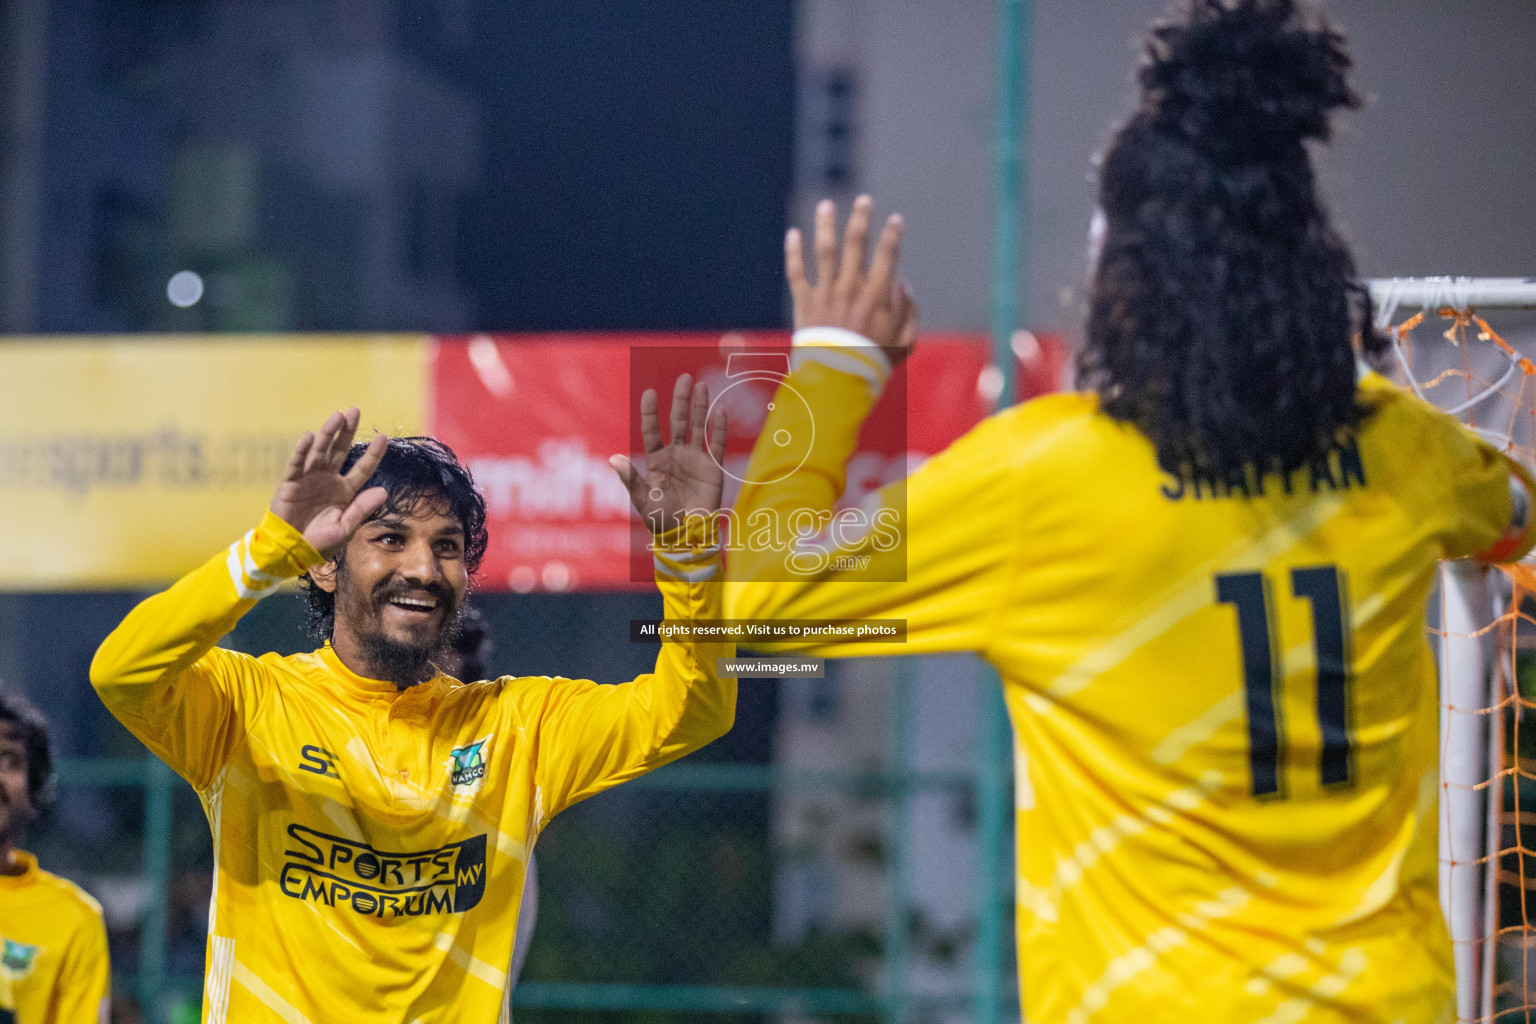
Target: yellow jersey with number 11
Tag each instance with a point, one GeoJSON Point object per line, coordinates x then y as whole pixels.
{"type": "Point", "coordinates": [1222, 691]}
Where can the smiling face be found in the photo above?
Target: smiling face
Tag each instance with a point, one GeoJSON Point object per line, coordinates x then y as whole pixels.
{"type": "Point", "coordinates": [398, 591]}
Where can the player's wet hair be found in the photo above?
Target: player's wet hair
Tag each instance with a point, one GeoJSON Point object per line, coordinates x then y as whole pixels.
{"type": "Point", "coordinates": [31, 728]}
{"type": "Point", "coordinates": [1224, 307]}
{"type": "Point", "coordinates": [415, 472]}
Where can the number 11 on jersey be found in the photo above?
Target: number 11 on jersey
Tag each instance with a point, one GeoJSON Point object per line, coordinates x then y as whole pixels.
{"type": "Point", "coordinates": [1250, 594]}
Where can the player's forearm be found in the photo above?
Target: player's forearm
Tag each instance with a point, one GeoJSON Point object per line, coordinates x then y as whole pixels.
{"type": "Point", "coordinates": [594, 737]}
{"type": "Point", "coordinates": [691, 704]}
{"type": "Point", "coordinates": [167, 633]}
{"type": "Point", "coordinates": [792, 489]}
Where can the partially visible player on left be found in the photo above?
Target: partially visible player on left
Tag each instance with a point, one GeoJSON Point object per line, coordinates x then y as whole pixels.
{"type": "Point", "coordinates": [53, 944]}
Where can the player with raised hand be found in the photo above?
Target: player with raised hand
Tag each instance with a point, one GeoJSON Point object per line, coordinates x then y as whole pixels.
{"type": "Point", "coordinates": [1203, 579]}
{"type": "Point", "coordinates": [371, 815]}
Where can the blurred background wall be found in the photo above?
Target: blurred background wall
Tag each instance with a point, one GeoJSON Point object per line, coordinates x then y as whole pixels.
{"type": "Point", "coordinates": [448, 164]}
{"type": "Point", "coordinates": [362, 164]}
{"type": "Point", "coordinates": [1432, 176]}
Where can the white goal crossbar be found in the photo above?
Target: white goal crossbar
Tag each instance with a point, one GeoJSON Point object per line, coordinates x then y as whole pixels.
{"type": "Point", "coordinates": [1470, 727]}
{"type": "Point", "coordinates": [1390, 293]}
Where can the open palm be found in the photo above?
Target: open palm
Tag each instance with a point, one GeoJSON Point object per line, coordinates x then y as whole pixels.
{"type": "Point", "coordinates": [316, 498]}
{"type": "Point", "coordinates": [867, 301]}
{"type": "Point", "coordinates": [683, 476]}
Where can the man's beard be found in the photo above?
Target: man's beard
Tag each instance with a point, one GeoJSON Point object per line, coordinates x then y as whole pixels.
{"type": "Point", "coordinates": [402, 663]}
{"type": "Point", "coordinates": [405, 665]}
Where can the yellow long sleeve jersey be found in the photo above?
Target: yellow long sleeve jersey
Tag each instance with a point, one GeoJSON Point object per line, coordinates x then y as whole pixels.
{"type": "Point", "coordinates": [53, 950]}
{"type": "Point", "coordinates": [370, 844]}
{"type": "Point", "coordinates": [1222, 693]}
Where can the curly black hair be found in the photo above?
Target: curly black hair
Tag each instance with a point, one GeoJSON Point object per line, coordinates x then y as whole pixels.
{"type": "Point", "coordinates": [1224, 307]}
{"type": "Point", "coordinates": [32, 729]}
{"type": "Point", "coordinates": [414, 470]}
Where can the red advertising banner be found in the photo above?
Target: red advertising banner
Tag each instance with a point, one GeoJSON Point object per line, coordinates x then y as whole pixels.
{"type": "Point", "coordinates": [535, 417]}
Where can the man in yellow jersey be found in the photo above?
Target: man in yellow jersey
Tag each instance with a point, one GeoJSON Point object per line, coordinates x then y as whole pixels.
{"type": "Point", "coordinates": [1203, 580]}
{"type": "Point", "coordinates": [53, 944]}
{"type": "Point", "coordinates": [372, 816]}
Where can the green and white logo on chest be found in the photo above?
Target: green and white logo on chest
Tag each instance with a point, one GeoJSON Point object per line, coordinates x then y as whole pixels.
{"type": "Point", "coordinates": [466, 764]}
{"type": "Point", "coordinates": [18, 958]}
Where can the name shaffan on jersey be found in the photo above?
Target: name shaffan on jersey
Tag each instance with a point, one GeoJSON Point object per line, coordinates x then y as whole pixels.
{"type": "Point", "coordinates": [1222, 691]}
{"type": "Point", "coordinates": [370, 844]}
{"type": "Point", "coordinates": [53, 950]}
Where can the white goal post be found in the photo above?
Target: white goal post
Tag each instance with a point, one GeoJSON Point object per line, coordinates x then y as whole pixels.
{"type": "Point", "coordinates": [1470, 752]}
{"type": "Point", "coordinates": [1470, 678]}
{"type": "Point", "coordinates": [1432, 293]}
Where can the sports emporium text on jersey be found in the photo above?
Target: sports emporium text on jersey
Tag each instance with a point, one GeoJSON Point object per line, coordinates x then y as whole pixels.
{"type": "Point", "coordinates": [340, 872]}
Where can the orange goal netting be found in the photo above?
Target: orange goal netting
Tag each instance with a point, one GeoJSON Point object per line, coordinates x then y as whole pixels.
{"type": "Point", "coordinates": [1446, 350]}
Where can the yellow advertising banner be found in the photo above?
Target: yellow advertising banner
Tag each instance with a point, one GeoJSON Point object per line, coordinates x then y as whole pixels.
{"type": "Point", "coordinates": [127, 461]}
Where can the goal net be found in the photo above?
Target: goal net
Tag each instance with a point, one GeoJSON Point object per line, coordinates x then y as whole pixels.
{"type": "Point", "coordinates": [1447, 347]}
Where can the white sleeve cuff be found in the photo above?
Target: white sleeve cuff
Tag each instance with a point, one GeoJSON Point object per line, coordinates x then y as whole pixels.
{"type": "Point", "coordinates": [844, 351]}
{"type": "Point", "coordinates": [692, 565]}
{"type": "Point", "coordinates": [250, 581]}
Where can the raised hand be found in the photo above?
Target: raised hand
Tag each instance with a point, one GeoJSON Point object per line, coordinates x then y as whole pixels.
{"type": "Point", "coordinates": [871, 303]}
{"type": "Point", "coordinates": [316, 498]}
{"type": "Point", "coordinates": [682, 476]}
